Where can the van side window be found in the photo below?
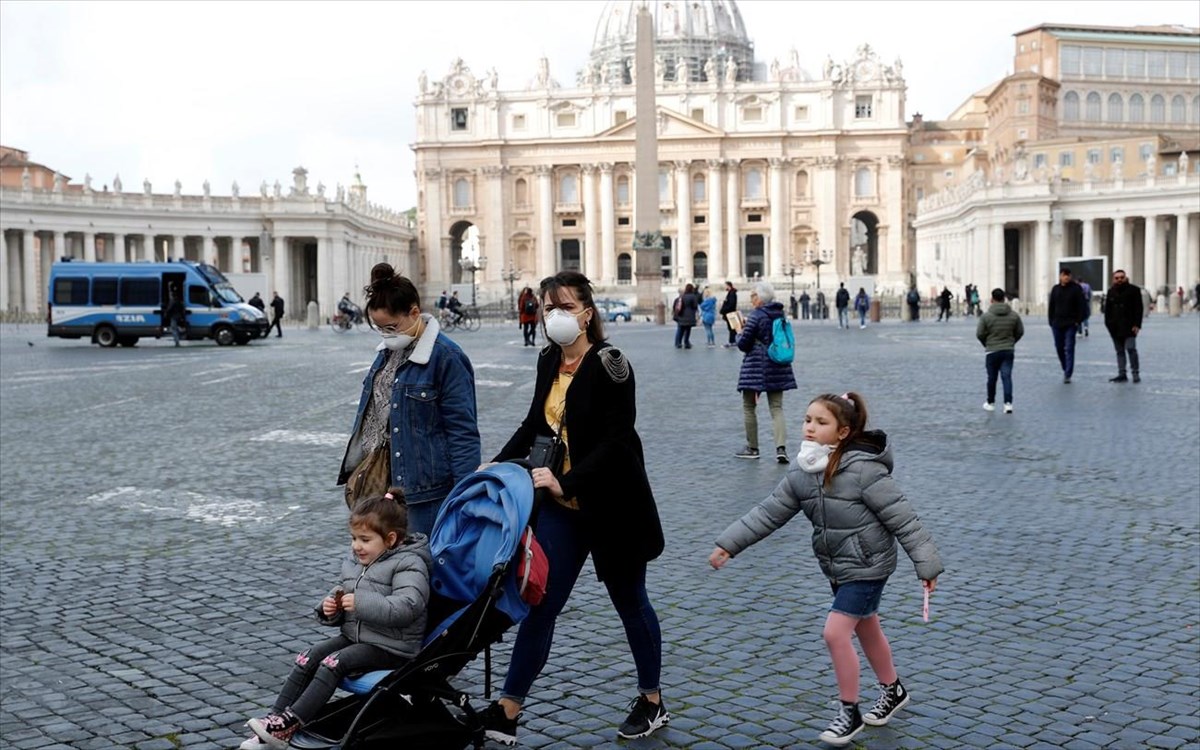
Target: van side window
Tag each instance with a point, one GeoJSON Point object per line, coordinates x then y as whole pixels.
{"type": "Point", "coordinates": [198, 295]}
{"type": "Point", "coordinates": [68, 291]}
{"type": "Point", "coordinates": [104, 291]}
{"type": "Point", "coordinates": [143, 292]}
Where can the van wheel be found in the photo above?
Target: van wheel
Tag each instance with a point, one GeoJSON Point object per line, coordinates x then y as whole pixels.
{"type": "Point", "coordinates": [127, 341]}
{"type": "Point", "coordinates": [241, 339]}
{"type": "Point", "coordinates": [223, 336]}
{"type": "Point", "coordinates": [105, 336]}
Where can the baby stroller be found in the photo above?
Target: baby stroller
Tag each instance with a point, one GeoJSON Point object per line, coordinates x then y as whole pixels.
{"type": "Point", "coordinates": [474, 598]}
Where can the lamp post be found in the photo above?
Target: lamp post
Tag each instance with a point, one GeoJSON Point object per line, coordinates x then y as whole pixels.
{"type": "Point", "coordinates": [789, 269]}
{"type": "Point", "coordinates": [511, 274]}
{"type": "Point", "coordinates": [473, 265]}
{"type": "Point", "coordinates": [821, 257]}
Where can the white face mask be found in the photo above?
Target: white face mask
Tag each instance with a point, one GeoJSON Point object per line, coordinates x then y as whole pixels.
{"type": "Point", "coordinates": [562, 327]}
{"type": "Point", "coordinates": [400, 341]}
{"type": "Point", "coordinates": [813, 457]}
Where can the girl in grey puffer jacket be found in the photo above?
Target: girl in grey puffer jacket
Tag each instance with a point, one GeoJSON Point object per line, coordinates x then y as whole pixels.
{"type": "Point", "coordinates": [380, 606]}
{"type": "Point", "coordinates": [842, 482]}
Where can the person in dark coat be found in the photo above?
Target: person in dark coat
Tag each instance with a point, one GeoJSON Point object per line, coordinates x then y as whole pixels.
{"type": "Point", "coordinates": [759, 374]}
{"type": "Point", "coordinates": [527, 306]}
{"type": "Point", "coordinates": [685, 317]}
{"type": "Point", "coordinates": [805, 301]}
{"type": "Point", "coordinates": [175, 315]}
{"type": "Point", "coordinates": [913, 298]}
{"type": "Point", "coordinates": [599, 504]}
{"type": "Point", "coordinates": [841, 300]}
{"type": "Point", "coordinates": [1065, 312]}
{"type": "Point", "coordinates": [727, 306]}
{"type": "Point", "coordinates": [1123, 319]}
{"type": "Point", "coordinates": [257, 302]}
{"type": "Point", "coordinates": [944, 300]}
{"type": "Point", "coordinates": [276, 315]}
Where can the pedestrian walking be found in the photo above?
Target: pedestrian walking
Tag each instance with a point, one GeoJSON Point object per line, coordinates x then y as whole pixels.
{"type": "Point", "coordinates": [688, 304]}
{"type": "Point", "coordinates": [913, 298]}
{"type": "Point", "coordinates": [416, 414]}
{"type": "Point", "coordinates": [944, 302]}
{"type": "Point", "coordinates": [805, 300]}
{"type": "Point", "coordinates": [379, 605]}
{"type": "Point", "coordinates": [601, 503]}
{"type": "Point", "coordinates": [975, 301]}
{"type": "Point", "coordinates": [527, 306]}
{"type": "Point", "coordinates": [708, 316]}
{"type": "Point", "coordinates": [1087, 308]}
{"type": "Point", "coordinates": [999, 330]}
{"type": "Point", "coordinates": [1123, 318]}
{"type": "Point", "coordinates": [760, 374]}
{"type": "Point", "coordinates": [257, 303]}
{"type": "Point", "coordinates": [842, 482]}
{"type": "Point", "coordinates": [276, 316]}
{"type": "Point", "coordinates": [841, 301]}
{"type": "Point", "coordinates": [862, 303]}
{"type": "Point", "coordinates": [175, 315]}
{"type": "Point", "coordinates": [970, 310]}
{"type": "Point", "coordinates": [728, 305]}
{"type": "Point", "coordinates": [1065, 312]}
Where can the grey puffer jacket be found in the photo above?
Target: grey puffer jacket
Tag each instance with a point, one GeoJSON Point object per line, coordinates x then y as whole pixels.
{"type": "Point", "coordinates": [856, 520]}
{"type": "Point", "coordinates": [1000, 328]}
{"type": "Point", "coordinates": [391, 598]}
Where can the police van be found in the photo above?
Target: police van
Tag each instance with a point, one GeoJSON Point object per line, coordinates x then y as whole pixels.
{"type": "Point", "coordinates": [118, 303]}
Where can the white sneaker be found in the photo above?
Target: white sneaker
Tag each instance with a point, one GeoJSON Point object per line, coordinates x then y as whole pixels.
{"type": "Point", "coordinates": [989, 406]}
{"type": "Point", "coordinates": [1008, 408]}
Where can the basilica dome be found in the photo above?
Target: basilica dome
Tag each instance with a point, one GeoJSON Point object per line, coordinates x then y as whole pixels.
{"type": "Point", "coordinates": [693, 30]}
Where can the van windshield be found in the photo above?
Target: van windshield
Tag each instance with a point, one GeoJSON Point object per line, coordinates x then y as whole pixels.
{"type": "Point", "coordinates": [227, 293]}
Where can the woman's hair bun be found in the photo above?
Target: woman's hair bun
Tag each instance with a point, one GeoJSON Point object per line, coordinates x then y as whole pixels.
{"type": "Point", "coordinates": [382, 272]}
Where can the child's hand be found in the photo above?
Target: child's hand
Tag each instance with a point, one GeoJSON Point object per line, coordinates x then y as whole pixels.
{"type": "Point", "coordinates": [329, 606]}
{"type": "Point", "coordinates": [930, 585]}
{"type": "Point", "coordinates": [718, 558]}
{"type": "Point", "coordinates": [348, 602]}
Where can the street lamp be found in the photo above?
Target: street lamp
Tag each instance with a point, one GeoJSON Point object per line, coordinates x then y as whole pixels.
{"type": "Point", "coordinates": [821, 257]}
{"type": "Point", "coordinates": [473, 264]}
{"type": "Point", "coordinates": [511, 274]}
{"type": "Point", "coordinates": [789, 269]}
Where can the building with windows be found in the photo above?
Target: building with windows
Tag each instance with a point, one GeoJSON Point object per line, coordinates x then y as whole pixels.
{"type": "Point", "coordinates": [305, 244]}
{"type": "Point", "coordinates": [764, 168]}
{"type": "Point", "coordinates": [1088, 149]}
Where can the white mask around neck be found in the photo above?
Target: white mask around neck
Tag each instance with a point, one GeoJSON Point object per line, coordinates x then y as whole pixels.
{"type": "Point", "coordinates": [813, 457]}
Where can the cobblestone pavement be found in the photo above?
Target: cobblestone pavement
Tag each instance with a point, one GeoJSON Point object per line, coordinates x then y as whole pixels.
{"type": "Point", "coordinates": [169, 517]}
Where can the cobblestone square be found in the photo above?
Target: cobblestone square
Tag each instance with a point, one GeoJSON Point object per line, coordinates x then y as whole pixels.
{"type": "Point", "coordinates": [169, 517]}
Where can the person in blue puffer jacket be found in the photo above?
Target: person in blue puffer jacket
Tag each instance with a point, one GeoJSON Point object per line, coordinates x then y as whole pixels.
{"type": "Point", "coordinates": [759, 374]}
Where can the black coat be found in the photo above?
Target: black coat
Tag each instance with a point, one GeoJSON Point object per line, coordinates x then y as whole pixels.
{"type": "Point", "coordinates": [1123, 310]}
{"type": "Point", "coordinates": [730, 303]}
{"type": "Point", "coordinates": [1066, 305]}
{"type": "Point", "coordinates": [608, 470]}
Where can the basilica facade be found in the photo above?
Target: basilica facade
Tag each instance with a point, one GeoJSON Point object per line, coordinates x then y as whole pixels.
{"type": "Point", "coordinates": [766, 170]}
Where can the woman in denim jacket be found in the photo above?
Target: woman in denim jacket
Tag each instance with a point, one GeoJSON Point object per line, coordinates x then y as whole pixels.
{"type": "Point", "coordinates": [418, 398]}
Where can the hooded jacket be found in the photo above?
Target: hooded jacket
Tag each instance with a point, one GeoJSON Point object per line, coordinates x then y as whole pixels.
{"type": "Point", "coordinates": [856, 520]}
{"type": "Point", "coordinates": [1000, 328]}
{"type": "Point", "coordinates": [391, 598]}
{"type": "Point", "coordinates": [758, 373]}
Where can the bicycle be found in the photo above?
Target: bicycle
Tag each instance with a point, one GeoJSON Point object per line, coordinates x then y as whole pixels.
{"type": "Point", "coordinates": [465, 320]}
{"type": "Point", "coordinates": [342, 321]}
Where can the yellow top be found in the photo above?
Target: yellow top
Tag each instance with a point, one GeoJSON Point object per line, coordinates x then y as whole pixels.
{"type": "Point", "coordinates": [554, 410]}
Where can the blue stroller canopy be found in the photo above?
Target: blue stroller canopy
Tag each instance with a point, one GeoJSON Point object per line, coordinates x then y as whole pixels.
{"type": "Point", "coordinates": [477, 530]}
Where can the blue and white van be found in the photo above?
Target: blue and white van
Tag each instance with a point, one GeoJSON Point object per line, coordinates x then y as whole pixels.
{"type": "Point", "coordinates": [118, 303]}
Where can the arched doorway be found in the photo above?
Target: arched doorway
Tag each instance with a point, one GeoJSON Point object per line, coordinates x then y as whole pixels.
{"type": "Point", "coordinates": [457, 233]}
{"type": "Point", "coordinates": [700, 267]}
{"type": "Point", "coordinates": [624, 269]}
{"type": "Point", "coordinates": [864, 244]}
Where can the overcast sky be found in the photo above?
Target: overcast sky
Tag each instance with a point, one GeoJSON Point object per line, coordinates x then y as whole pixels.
{"type": "Point", "coordinates": [246, 91]}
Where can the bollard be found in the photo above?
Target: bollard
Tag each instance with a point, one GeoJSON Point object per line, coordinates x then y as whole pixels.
{"type": "Point", "coordinates": [905, 311]}
{"type": "Point", "coordinates": [314, 315]}
{"type": "Point", "coordinates": [1176, 306]}
{"type": "Point", "coordinates": [660, 313]}
{"type": "Point", "coordinates": [874, 313]}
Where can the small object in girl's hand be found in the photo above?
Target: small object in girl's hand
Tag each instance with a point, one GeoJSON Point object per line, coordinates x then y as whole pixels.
{"type": "Point", "coordinates": [925, 607]}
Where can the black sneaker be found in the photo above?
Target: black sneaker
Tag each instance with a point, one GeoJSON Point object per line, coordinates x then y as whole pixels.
{"type": "Point", "coordinates": [891, 699]}
{"type": "Point", "coordinates": [781, 455]}
{"type": "Point", "coordinates": [844, 726]}
{"type": "Point", "coordinates": [747, 452]}
{"type": "Point", "coordinates": [1119, 379]}
{"type": "Point", "coordinates": [1137, 378]}
{"type": "Point", "coordinates": [644, 718]}
{"type": "Point", "coordinates": [497, 727]}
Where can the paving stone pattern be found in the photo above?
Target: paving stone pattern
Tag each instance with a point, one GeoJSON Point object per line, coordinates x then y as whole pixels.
{"type": "Point", "coordinates": [169, 517]}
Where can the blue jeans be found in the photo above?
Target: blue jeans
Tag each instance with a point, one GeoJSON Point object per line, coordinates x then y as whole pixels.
{"type": "Point", "coordinates": [709, 338]}
{"type": "Point", "coordinates": [561, 533]}
{"type": "Point", "coordinates": [843, 317]}
{"type": "Point", "coordinates": [999, 363]}
{"type": "Point", "coordinates": [1064, 346]}
{"type": "Point", "coordinates": [421, 517]}
{"type": "Point", "coordinates": [862, 318]}
{"type": "Point", "coordinates": [683, 336]}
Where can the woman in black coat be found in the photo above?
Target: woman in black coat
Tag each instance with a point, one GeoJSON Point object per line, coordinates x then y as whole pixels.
{"type": "Point", "coordinates": [601, 503]}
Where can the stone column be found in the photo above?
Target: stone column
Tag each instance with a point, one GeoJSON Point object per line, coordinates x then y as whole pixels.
{"type": "Point", "coordinates": [995, 270]}
{"type": "Point", "coordinates": [118, 250]}
{"type": "Point", "coordinates": [341, 268]}
{"type": "Point", "coordinates": [60, 245]}
{"type": "Point", "coordinates": [889, 258]}
{"type": "Point", "coordinates": [177, 251]}
{"type": "Point", "coordinates": [683, 220]}
{"type": "Point", "coordinates": [547, 263]}
{"type": "Point", "coordinates": [1152, 267]}
{"type": "Point", "coordinates": [283, 275]}
{"type": "Point", "coordinates": [733, 215]}
{"type": "Point", "coordinates": [608, 226]}
{"type": "Point", "coordinates": [5, 255]}
{"type": "Point", "coordinates": [1120, 248]}
{"type": "Point", "coordinates": [1044, 276]}
{"type": "Point", "coordinates": [209, 253]}
{"type": "Point", "coordinates": [29, 285]}
{"type": "Point", "coordinates": [495, 248]}
{"type": "Point", "coordinates": [1193, 252]}
{"type": "Point", "coordinates": [1183, 252]}
{"type": "Point", "coordinates": [712, 191]}
{"type": "Point", "coordinates": [1089, 238]}
{"type": "Point", "coordinates": [326, 292]}
{"type": "Point", "coordinates": [779, 246]}
{"type": "Point", "coordinates": [89, 247]}
{"type": "Point", "coordinates": [591, 235]}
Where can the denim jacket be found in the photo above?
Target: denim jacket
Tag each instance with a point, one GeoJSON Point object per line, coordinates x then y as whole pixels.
{"type": "Point", "coordinates": [434, 431]}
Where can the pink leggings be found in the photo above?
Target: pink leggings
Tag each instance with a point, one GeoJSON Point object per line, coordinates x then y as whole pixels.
{"type": "Point", "coordinates": [838, 629]}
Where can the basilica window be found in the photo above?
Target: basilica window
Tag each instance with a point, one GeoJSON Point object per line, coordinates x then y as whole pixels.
{"type": "Point", "coordinates": [863, 106]}
{"type": "Point", "coordinates": [754, 183]}
{"type": "Point", "coordinates": [1114, 63]}
{"type": "Point", "coordinates": [623, 190]}
{"type": "Point", "coordinates": [1092, 61]}
{"type": "Point", "coordinates": [1092, 111]}
{"type": "Point", "coordinates": [1022, 106]}
{"type": "Point", "coordinates": [1039, 161]}
{"type": "Point", "coordinates": [1066, 158]}
{"type": "Point", "coordinates": [1156, 65]}
{"type": "Point", "coordinates": [664, 186]}
{"type": "Point", "coordinates": [1178, 65]}
{"type": "Point", "coordinates": [521, 192]}
{"type": "Point", "coordinates": [458, 118]}
{"type": "Point", "coordinates": [801, 114]}
{"type": "Point", "coordinates": [1094, 156]}
{"type": "Point", "coordinates": [1178, 109]}
{"type": "Point", "coordinates": [698, 115]}
{"type": "Point", "coordinates": [1116, 108]}
{"type": "Point", "coordinates": [1071, 106]}
{"type": "Point", "coordinates": [518, 122]}
{"type": "Point", "coordinates": [864, 183]}
{"type": "Point", "coordinates": [802, 184]}
{"type": "Point", "coordinates": [565, 119]}
{"type": "Point", "coordinates": [1116, 154]}
{"type": "Point", "coordinates": [624, 268]}
{"type": "Point", "coordinates": [1144, 151]}
{"type": "Point", "coordinates": [1196, 115]}
{"type": "Point", "coordinates": [568, 189]}
{"type": "Point", "coordinates": [1135, 63]}
{"type": "Point", "coordinates": [462, 193]}
{"type": "Point", "coordinates": [752, 114]}
{"type": "Point", "coordinates": [1069, 59]}
{"type": "Point", "coordinates": [1193, 65]}
{"type": "Point", "coordinates": [1137, 108]}
{"type": "Point", "coordinates": [1158, 108]}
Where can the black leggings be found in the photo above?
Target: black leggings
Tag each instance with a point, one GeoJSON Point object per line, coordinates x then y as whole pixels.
{"type": "Point", "coordinates": [318, 670]}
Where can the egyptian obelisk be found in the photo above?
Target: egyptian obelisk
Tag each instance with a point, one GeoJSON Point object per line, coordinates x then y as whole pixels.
{"type": "Point", "coordinates": [647, 239]}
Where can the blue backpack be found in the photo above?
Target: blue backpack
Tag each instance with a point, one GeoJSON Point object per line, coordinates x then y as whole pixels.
{"type": "Point", "coordinates": [782, 349]}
